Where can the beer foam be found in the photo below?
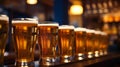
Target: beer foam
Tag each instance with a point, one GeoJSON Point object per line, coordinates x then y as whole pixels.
{"type": "Point", "coordinates": [103, 33]}
{"type": "Point", "coordinates": [80, 29]}
{"type": "Point", "coordinates": [49, 24]}
{"type": "Point", "coordinates": [29, 20]}
{"type": "Point", "coordinates": [4, 17]}
{"type": "Point", "coordinates": [97, 32]}
{"type": "Point", "coordinates": [90, 31]}
{"type": "Point", "coordinates": [66, 27]}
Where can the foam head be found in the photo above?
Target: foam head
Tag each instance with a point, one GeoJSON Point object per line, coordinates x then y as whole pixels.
{"type": "Point", "coordinates": [25, 20]}
{"type": "Point", "coordinates": [80, 29]}
{"type": "Point", "coordinates": [97, 32]}
{"type": "Point", "coordinates": [66, 27]}
{"type": "Point", "coordinates": [90, 31]}
{"type": "Point", "coordinates": [4, 17]}
{"type": "Point", "coordinates": [49, 24]}
{"type": "Point", "coordinates": [103, 33]}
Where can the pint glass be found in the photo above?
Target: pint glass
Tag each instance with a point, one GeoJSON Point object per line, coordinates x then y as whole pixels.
{"type": "Point", "coordinates": [90, 43]}
{"type": "Point", "coordinates": [48, 42]}
{"type": "Point", "coordinates": [104, 43]}
{"type": "Point", "coordinates": [66, 42]}
{"type": "Point", "coordinates": [25, 34]}
{"type": "Point", "coordinates": [80, 38]}
{"type": "Point", "coordinates": [97, 43]}
{"type": "Point", "coordinates": [3, 35]}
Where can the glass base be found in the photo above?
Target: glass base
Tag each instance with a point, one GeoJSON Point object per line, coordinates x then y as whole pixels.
{"type": "Point", "coordinates": [66, 59]}
{"type": "Point", "coordinates": [19, 64]}
{"type": "Point", "coordinates": [80, 56]}
{"type": "Point", "coordinates": [49, 61]}
{"type": "Point", "coordinates": [96, 54]}
{"type": "Point", "coordinates": [90, 55]}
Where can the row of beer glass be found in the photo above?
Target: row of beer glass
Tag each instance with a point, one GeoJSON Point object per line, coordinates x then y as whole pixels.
{"type": "Point", "coordinates": [57, 43]}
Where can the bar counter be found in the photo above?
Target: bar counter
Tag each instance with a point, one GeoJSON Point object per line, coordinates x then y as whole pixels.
{"type": "Point", "coordinates": [110, 60]}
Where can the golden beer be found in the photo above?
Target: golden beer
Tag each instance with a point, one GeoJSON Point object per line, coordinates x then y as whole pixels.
{"type": "Point", "coordinates": [89, 43]}
{"type": "Point", "coordinates": [3, 35]}
{"type": "Point", "coordinates": [66, 41]}
{"type": "Point", "coordinates": [48, 41]}
{"type": "Point", "coordinates": [97, 43]}
{"type": "Point", "coordinates": [80, 38]}
{"type": "Point", "coordinates": [104, 43]}
{"type": "Point", "coordinates": [25, 35]}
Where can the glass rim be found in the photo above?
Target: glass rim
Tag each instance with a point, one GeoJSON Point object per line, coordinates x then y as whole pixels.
{"type": "Point", "coordinates": [25, 20]}
{"type": "Point", "coordinates": [66, 27]}
{"type": "Point", "coordinates": [4, 17]}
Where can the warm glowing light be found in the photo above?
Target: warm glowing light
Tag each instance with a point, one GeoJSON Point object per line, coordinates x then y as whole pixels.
{"type": "Point", "coordinates": [32, 2]}
{"type": "Point", "coordinates": [66, 61]}
{"type": "Point", "coordinates": [117, 18]}
{"type": "Point", "coordinates": [80, 58]}
{"type": "Point", "coordinates": [24, 60]}
{"type": "Point", "coordinates": [65, 56]}
{"type": "Point", "coordinates": [90, 56]}
{"type": "Point", "coordinates": [23, 63]}
{"type": "Point", "coordinates": [76, 9]}
{"type": "Point", "coordinates": [80, 54]}
{"type": "Point", "coordinates": [48, 59]}
{"type": "Point", "coordinates": [111, 18]}
{"type": "Point", "coordinates": [105, 53]}
{"type": "Point", "coordinates": [48, 63]}
{"type": "Point", "coordinates": [96, 53]}
{"type": "Point", "coordinates": [25, 28]}
{"type": "Point", "coordinates": [106, 28]}
{"type": "Point", "coordinates": [89, 53]}
{"type": "Point", "coordinates": [101, 53]}
{"type": "Point", "coordinates": [105, 19]}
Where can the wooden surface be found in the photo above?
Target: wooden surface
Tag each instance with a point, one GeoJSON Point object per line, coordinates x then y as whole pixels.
{"type": "Point", "coordinates": [110, 60]}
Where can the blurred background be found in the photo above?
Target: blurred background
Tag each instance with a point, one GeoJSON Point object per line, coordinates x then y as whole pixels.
{"type": "Point", "coordinates": [101, 15]}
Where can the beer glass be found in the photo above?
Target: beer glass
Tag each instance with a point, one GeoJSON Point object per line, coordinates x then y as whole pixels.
{"type": "Point", "coordinates": [80, 38]}
{"type": "Point", "coordinates": [89, 43]}
{"type": "Point", "coordinates": [104, 43]}
{"type": "Point", "coordinates": [97, 43]}
{"type": "Point", "coordinates": [3, 36]}
{"type": "Point", "coordinates": [48, 42]}
{"type": "Point", "coordinates": [66, 42]}
{"type": "Point", "coordinates": [25, 35]}
{"type": "Point", "coordinates": [101, 43]}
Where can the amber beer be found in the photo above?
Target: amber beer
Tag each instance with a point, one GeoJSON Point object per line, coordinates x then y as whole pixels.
{"type": "Point", "coordinates": [104, 43]}
{"type": "Point", "coordinates": [80, 39]}
{"type": "Point", "coordinates": [48, 41]}
{"type": "Point", "coordinates": [3, 35]}
{"type": "Point", "coordinates": [66, 41]}
{"type": "Point", "coordinates": [97, 43]}
{"type": "Point", "coordinates": [89, 43]}
{"type": "Point", "coordinates": [24, 32]}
